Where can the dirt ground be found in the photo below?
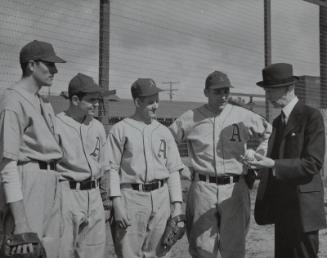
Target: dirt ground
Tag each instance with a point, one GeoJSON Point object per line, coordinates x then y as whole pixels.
{"type": "Point", "coordinates": [260, 239]}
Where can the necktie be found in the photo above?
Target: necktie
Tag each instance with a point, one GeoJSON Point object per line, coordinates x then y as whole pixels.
{"type": "Point", "coordinates": [279, 135]}
{"type": "Point", "coordinates": [283, 119]}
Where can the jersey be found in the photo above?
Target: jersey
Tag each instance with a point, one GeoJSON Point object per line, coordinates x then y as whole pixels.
{"type": "Point", "coordinates": [27, 127]}
{"type": "Point", "coordinates": [27, 133]}
{"type": "Point", "coordinates": [142, 153]}
{"type": "Point", "coordinates": [216, 142]}
{"type": "Point", "coordinates": [85, 148]}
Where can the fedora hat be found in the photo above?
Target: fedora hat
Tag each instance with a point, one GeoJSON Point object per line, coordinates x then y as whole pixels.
{"type": "Point", "coordinates": [277, 75]}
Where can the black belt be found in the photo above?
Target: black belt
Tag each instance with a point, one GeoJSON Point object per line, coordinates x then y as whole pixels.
{"type": "Point", "coordinates": [47, 165]}
{"type": "Point", "coordinates": [219, 180]}
{"type": "Point", "coordinates": [84, 185]}
{"type": "Point", "coordinates": [148, 187]}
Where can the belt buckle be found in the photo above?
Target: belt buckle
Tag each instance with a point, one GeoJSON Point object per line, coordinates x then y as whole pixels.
{"type": "Point", "coordinates": [147, 187]}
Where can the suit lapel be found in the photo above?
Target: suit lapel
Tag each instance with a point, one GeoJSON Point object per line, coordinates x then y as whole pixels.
{"type": "Point", "coordinates": [294, 119]}
{"type": "Point", "coordinates": [272, 138]}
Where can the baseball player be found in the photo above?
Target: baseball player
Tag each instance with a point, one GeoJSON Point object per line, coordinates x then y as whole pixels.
{"type": "Point", "coordinates": [144, 177]}
{"type": "Point", "coordinates": [85, 160]}
{"type": "Point", "coordinates": [29, 151]}
{"type": "Point", "coordinates": [218, 205]}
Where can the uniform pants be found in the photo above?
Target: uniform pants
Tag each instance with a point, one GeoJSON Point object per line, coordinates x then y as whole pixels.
{"type": "Point", "coordinates": [83, 223]}
{"type": "Point", "coordinates": [148, 213]}
{"type": "Point", "coordinates": [218, 218]}
{"type": "Point", "coordinates": [41, 190]}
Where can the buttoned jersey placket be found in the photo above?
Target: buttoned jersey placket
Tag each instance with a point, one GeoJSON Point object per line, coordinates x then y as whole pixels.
{"type": "Point", "coordinates": [215, 142]}
{"type": "Point", "coordinates": [146, 134]}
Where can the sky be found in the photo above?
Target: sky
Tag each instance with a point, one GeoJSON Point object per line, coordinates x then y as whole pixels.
{"type": "Point", "coordinates": [179, 41]}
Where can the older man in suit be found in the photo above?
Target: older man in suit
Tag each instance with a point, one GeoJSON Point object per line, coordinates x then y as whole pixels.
{"type": "Point", "coordinates": [290, 193]}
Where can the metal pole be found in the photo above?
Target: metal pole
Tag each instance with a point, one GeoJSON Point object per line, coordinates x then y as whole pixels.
{"type": "Point", "coordinates": [267, 31]}
{"type": "Point", "coordinates": [104, 41]}
{"type": "Point", "coordinates": [323, 55]}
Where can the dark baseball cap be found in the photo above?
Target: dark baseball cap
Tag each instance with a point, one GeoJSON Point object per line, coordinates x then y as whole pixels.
{"type": "Point", "coordinates": [217, 80]}
{"type": "Point", "coordinates": [85, 84]}
{"type": "Point", "coordinates": [39, 50]}
{"type": "Point", "coordinates": [144, 87]}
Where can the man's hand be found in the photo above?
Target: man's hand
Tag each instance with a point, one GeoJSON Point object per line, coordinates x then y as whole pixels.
{"type": "Point", "coordinates": [261, 161]}
{"type": "Point", "coordinates": [121, 218]}
{"type": "Point", "coordinates": [248, 155]}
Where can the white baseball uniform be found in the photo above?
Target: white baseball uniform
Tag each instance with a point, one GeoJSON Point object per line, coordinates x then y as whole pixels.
{"type": "Point", "coordinates": [27, 136]}
{"type": "Point", "coordinates": [218, 215]}
{"type": "Point", "coordinates": [85, 159]}
{"type": "Point", "coordinates": [143, 156]}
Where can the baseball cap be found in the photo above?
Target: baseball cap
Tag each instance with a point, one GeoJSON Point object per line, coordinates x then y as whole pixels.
{"type": "Point", "coordinates": [82, 83]}
{"type": "Point", "coordinates": [39, 50]}
{"type": "Point", "coordinates": [144, 87]}
{"type": "Point", "coordinates": [217, 80]}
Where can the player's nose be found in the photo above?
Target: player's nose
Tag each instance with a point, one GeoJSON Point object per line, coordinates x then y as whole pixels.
{"type": "Point", "coordinates": [155, 105]}
{"type": "Point", "coordinates": [52, 68]}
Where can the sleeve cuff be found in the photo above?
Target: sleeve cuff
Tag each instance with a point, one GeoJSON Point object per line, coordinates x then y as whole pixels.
{"type": "Point", "coordinates": [13, 192]}
{"type": "Point", "coordinates": [175, 187]}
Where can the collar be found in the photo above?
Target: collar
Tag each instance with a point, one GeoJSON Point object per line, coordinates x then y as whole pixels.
{"type": "Point", "coordinates": [289, 108]}
{"type": "Point", "coordinates": [72, 122]}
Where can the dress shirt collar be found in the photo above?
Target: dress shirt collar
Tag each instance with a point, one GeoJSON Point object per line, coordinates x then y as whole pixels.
{"type": "Point", "coordinates": [289, 108]}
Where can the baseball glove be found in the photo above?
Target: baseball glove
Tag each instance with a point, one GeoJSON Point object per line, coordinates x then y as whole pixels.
{"type": "Point", "coordinates": [174, 231]}
{"type": "Point", "coordinates": [23, 239]}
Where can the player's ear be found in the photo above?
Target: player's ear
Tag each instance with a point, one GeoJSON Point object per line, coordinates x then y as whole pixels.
{"type": "Point", "coordinates": [75, 100]}
{"type": "Point", "coordinates": [137, 102]}
{"type": "Point", "coordinates": [205, 91]}
{"type": "Point", "coordinates": [31, 65]}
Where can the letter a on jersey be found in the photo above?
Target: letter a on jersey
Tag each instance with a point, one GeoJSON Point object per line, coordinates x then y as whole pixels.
{"type": "Point", "coordinates": [162, 149]}
{"type": "Point", "coordinates": [96, 151]}
{"type": "Point", "coordinates": [236, 133]}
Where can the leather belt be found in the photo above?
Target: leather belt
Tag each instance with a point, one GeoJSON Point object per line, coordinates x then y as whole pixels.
{"type": "Point", "coordinates": [148, 187]}
{"type": "Point", "coordinates": [84, 185]}
{"type": "Point", "coordinates": [51, 165]}
{"type": "Point", "coordinates": [219, 180]}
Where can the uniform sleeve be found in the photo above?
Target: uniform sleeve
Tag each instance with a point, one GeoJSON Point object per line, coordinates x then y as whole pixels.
{"type": "Point", "coordinates": [177, 130]}
{"type": "Point", "coordinates": [11, 181]}
{"type": "Point", "coordinates": [10, 139]}
{"type": "Point", "coordinates": [104, 161]}
{"type": "Point", "coordinates": [116, 148]}
{"type": "Point", "coordinates": [174, 162]}
{"type": "Point", "coordinates": [10, 135]}
{"type": "Point", "coordinates": [104, 155]}
{"type": "Point", "coordinates": [174, 165]}
{"type": "Point", "coordinates": [260, 130]}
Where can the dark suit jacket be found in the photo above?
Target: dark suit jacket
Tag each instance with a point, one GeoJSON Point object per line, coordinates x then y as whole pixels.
{"type": "Point", "coordinates": [297, 183]}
